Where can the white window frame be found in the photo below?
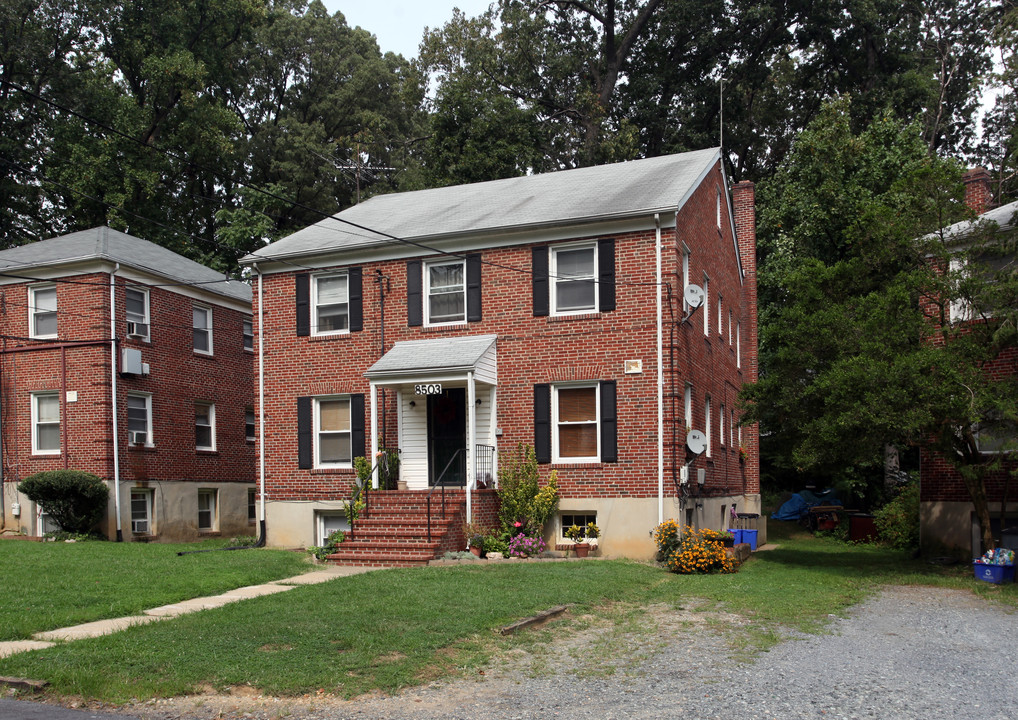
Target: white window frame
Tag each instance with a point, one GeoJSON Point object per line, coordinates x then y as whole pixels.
{"type": "Point", "coordinates": [721, 317]}
{"type": "Point", "coordinates": [147, 397]}
{"type": "Point", "coordinates": [247, 335]}
{"type": "Point", "coordinates": [555, 278]}
{"type": "Point", "coordinates": [729, 327]}
{"type": "Point", "coordinates": [133, 320]}
{"type": "Point", "coordinates": [149, 518]}
{"type": "Point", "coordinates": [707, 420]}
{"type": "Point", "coordinates": [685, 276]}
{"type": "Point", "coordinates": [322, 528]}
{"type": "Point", "coordinates": [253, 435]}
{"type": "Point", "coordinates": [428, 292]}
{"type": "Point", "coordinates": [315, 304]}
{"type": "Point", "coordinates": [589, 515]}
{"type": "Point", "coordinates": [36, 424]}
{"type": "Point", "coordinates": [34, 311]}
{"type": "Point", "coordinates": [721, 424]}
{"type": "Point", "coordinates": [555, 450]}
{"type": "Point", "coordinates": [687, 399]}
{"type": "Point", "coordinates": [719, 207]}
{"type": "Point", "coordinates": [317, 427]}
{"type": "Point", "coordinates": [731, 428]}
{"type": "Point", "coordinates": [738, 344]}
{"type": "Point", "coordinates": [211, 498]}
{"type": "Point", "coordinates": [210, 424]}
{"type": "Point", "coordinates": [207, 329]}
{"type": "Point", "coordinates": [706, 305]}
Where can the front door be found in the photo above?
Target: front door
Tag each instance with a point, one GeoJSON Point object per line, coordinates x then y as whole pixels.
{"type": "Point", "coordinates": [447, 435]}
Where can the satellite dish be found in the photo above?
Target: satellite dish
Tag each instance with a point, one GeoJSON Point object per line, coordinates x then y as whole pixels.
{"type": "Point", "coordinates": [693, 295]}
{"type": "Point", "coordinates": [696, 441]}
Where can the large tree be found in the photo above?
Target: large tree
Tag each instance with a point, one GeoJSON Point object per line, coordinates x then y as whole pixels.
{"type": "Point", "coordinates": [856, 284]}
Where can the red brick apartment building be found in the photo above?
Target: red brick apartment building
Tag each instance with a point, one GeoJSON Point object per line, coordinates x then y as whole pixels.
{"type": "Point", "coordinates": [947, 516]}
{"type": "Point", "coordinates": [124, 359]}
{"type": "Point", "coordinates": [455, 323]}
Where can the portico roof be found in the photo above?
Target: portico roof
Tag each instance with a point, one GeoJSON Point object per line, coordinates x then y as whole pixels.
{"type": "Point", "coordinates": [438, 358]}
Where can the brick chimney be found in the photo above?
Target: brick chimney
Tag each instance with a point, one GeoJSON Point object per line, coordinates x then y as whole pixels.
{"type": "Point", "coordinates": [977, 190]}
{"type": "Point", "coordinates": [744, 207]}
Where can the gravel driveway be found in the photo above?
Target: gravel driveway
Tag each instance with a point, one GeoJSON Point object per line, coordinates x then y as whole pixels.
{"type": "Point", "coordinates": [907, 653]}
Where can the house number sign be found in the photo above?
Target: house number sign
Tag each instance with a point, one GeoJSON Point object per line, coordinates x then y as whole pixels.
{"type": "Point", "coordinates": [428, 389]}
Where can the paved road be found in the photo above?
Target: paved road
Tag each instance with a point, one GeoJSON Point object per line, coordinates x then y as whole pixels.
{"type": "Point", "coordinates": [24, 710]}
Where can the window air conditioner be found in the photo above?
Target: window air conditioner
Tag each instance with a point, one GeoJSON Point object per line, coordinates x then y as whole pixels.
{"type": "Point", "coordinates": [137, 329]}
{"type": "Point", "coordinates": [136, 437]}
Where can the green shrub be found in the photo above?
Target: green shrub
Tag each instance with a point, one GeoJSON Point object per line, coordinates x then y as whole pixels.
{"type": "Point", "coordinates": [524, 506]}
{"type": "Point", "coordinates": [898, 521]}
{"type": "Point", "coordinates": [74, 499]}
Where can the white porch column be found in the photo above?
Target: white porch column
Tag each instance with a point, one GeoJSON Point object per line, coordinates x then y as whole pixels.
{"type": "Point", "coordinates": [471, 442]}
{"type": "Point", "coordinates": [374, 436]}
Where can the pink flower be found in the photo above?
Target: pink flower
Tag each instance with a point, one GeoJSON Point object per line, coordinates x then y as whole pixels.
{"type": "Point", "coordinates": [517, 524]}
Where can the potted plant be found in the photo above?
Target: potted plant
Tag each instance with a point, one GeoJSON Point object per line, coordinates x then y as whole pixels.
{"type": "Point", "coordinates": [578, 535]}
{"type": "Point", "coordinates": [476, 544]}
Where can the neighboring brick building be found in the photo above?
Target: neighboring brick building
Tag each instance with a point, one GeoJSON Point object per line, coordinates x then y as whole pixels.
{"type": "Point", "coordinates": [948, 521]}
{"type": "Point", "coordinates": [525, 310]}
{"type": "Point", "coordinates": [182, 438]}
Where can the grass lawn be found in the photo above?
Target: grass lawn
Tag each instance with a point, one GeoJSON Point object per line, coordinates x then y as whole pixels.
{"type": "Point", "coordinates": [54, 585]}
{"type": "Point", "coordinates": [392, 628]}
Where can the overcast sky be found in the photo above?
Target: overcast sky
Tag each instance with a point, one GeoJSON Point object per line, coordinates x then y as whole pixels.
{"type": "Point", "coordinates": [399, 24]}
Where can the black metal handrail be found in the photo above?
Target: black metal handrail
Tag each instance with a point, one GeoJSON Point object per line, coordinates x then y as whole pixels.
{"type": "Point", "coordinates": [484, 474]}
{"type": "Point", "coordinates": [359, 486]}
{"type": "Point", "coordinates": [439, 484]}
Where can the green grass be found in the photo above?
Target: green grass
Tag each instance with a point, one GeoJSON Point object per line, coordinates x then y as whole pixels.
{"type": "Point", "coordinates": [53, 585]}
{"type": "Point", "coordinates": [393, 628]}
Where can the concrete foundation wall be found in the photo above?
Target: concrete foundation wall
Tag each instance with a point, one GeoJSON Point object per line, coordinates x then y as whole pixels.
{"type": "Point", "coordinates": [947, 527]}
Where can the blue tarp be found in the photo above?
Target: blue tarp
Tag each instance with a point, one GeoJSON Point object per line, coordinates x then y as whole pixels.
{"type": "Point", "coordinates": [799, 504]}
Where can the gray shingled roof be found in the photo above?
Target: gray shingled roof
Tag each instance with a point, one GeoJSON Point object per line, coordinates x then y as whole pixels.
{"type": "Point", "coordinates": [1004, 216]}
{"type": "Point", "coordinates": [455, 353]}
{"type": "Point", "coordinates": [103, 243]}
{"type": "Point", "coordinates": [635, 188]}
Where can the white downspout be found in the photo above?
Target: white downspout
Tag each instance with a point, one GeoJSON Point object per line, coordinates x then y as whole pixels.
{"type": "Point", "coordinates": [660, 383]}
{"type": "Point", "coordinates": [471, 442]}
{"type": "Point", "coordinates": [113, 399]}
{"type": "Point", "coordinates": [261, 408]}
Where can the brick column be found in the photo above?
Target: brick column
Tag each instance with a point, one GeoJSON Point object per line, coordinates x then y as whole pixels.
{"type": "Point", "coordinates": [744, 207]}
{"type": "Point", "coordinates": [977, 190]}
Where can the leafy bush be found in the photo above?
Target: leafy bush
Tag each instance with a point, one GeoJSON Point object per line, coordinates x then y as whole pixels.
{"type": "Point", "coordinates": [696, 553]}
{"type": "Point", "coordinates": [74, 499]}
{"type": "Point", "coordinates": [666, 535]}
{"type": "Point", "coordinates": [524, 506]}
{"type": "Point", "coordinates": [898, 521]}
{"type": "Point", "coordinates": [494, 542]}
{"type": "Point", "coordinates": [331, 545]}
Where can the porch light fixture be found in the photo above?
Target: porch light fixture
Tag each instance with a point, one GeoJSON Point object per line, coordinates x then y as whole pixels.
{"type": "Point", "coordinates": [413, 404]}
{"type": "Point", "coordinates": [477, 402]}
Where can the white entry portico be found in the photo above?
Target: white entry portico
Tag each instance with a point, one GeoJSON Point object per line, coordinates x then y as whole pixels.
{"type": "Point", "coordinates": [446, 399]}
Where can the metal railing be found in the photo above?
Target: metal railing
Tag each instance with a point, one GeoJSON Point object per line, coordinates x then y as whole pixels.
{"type": "Point", "coordinates": [439, 484]}
{"type": "Point", "coordinates": [360, 486]}
{"type": "Point", "coordinates": [484, 466]}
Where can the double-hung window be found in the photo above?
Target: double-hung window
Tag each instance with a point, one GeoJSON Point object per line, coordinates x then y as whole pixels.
{"type": "Point", "coordinates": [205, 426]}
{"type": "Point", "coordinates": [707, 422]}
{"type": "Point", "coordinates": [332, 432]}
{"type": "Point", "coordinates": [247, 335]}
{"type": "Point", "coordinates": [446, 292]}
{"type": "Point", "coordinates": [202, 326]}
{"type": "Point", "coordinates": [574, 279]}
{"type": "Point", "coordinates": [136, 309]}
{"type": "Point", "coordinates": [687, 400]}
{"type": "Point", "coordinates": [706, 305]}
{"type": "Point", "coordinates": [208, 511]}
{"type": "Point", "coordinates": [721, 425]}
{"type": "Point", "coordinates": [575, 423]}
{"type": "Point", "coordinates": [42, 311]}
{"type": "Point", "coordinates": [141, 511]}
{"type": "Point", "coordinates": [46, 423]}
{"type": "Point", "coordinates": [139, 419]}
{"type": "Point", "coordinates": [249, 424]}
{"type": "Point", "coordinates": [331, 302]}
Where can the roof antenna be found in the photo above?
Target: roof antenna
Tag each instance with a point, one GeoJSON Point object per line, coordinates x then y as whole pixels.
{"type": "Point", "coordinates": [721, 121]}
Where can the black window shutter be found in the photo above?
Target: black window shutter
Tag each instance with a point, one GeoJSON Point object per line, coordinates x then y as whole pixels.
{"type": "Point", "coordinates": [606, 274]}
{"type": "Point", "coordinates": [474, 288]}
{"type": "Point", "coordinates": [609, 423]}
{"type": "Point", "coordinates": [304, 433]}
{"type": "Point", "coordinates": [414, 298]}
{"type": "Point", "coordinates": [539, 276]}
{"type": "Point", "coordinates": [356, 296]}
{"type": "Point", "coordinates": [542, 423]}
{"type": "Point", "coordinates": [357, 425]}
{"type": "Point", "coordinates": [303, 293]}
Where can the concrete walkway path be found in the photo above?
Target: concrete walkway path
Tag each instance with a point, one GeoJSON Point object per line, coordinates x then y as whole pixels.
{"type": "Point", "coordinates": [106, 627]}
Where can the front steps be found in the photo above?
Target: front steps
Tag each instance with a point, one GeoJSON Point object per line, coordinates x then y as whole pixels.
{"type": "Point", "coordinates": [394, 531]}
